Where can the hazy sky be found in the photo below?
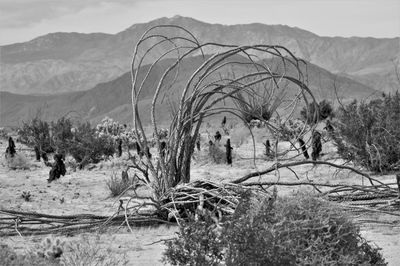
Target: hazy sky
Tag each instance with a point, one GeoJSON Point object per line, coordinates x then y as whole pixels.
{"type": "Point", "coordinates": [23, 20]}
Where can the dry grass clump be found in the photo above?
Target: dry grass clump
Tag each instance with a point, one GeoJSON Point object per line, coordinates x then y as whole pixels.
{"type": "Point", "coordinates": [18, 161]}
{"type": "Point", "coordinates": [52, 251]}
{"type": "Point", "coordinates": [86, 252]}
{"type": "Point", "coordinates": [118, 185]}
{"type": "Point", "coordinates": [8, 257]}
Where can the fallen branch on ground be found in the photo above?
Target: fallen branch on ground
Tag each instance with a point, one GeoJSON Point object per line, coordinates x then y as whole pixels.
{"type": "Point", "coordinates": [279, 165]}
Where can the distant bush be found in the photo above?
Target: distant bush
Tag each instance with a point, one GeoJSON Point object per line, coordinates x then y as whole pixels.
{"type": "Point", "coordinates": [216, 153]}
{"type": "Point", "coordinates": [36, 133]}
{"type": "Point", "coordinates": [299, 230]}
{"type": "Point", "coordinates": [48, 137]}
{"type": "Point", "coordinates": [369, 133]}
{"type": "Point", "coordinates": [88, 147]}
{"type": "Point", "coordinates": [18, 161]}
{"type": "Point", "coordinates": [290, 130]}
{"type": "Point", "coordinates": [316, 113]}
{"type": "Point", "coordinates": [257, 103]}
{"type": "Point", "coordinates": [62, 134]}
{"type": "Point", "coordinates": [81, 141]}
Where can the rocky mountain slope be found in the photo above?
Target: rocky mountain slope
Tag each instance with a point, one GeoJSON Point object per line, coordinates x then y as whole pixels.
{"type": "Point", "coordinates": [113, 98]}
{"type": "Point", "coordinates": [66, 62]}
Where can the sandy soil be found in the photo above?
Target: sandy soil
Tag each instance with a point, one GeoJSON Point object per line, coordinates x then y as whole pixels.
{"type": "Point", "coordinates": [86, 192]}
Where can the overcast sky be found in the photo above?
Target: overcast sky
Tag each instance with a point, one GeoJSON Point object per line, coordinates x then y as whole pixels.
{"type": "Point", "coordinates": [23, 20]}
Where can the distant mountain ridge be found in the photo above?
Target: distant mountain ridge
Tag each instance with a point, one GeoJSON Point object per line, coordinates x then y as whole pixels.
{"type": "Point", "coordinates": [66, 62]}
{"type": "Point", "coordinates": [113, 98]}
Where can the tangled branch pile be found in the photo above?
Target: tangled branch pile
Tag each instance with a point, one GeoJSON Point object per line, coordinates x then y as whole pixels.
{"type": "Point", "coordinates": [32, 223]}
{"type": "Point", "coordinates": [177, 205]}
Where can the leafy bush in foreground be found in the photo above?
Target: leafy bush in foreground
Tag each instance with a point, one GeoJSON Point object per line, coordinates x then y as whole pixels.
{"type": "Point", "coordinates": [298, 230]}
{"type": "Point", "coordinates": [369, 133]}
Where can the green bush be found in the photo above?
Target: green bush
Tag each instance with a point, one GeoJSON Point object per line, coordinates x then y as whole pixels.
{"type": "Point", "coordinates": [82, 141]}
{"type": "Point", "coordinates": [62, 134]}
{"type": "Point", "coordinates": [88, 147]}
{"type": "Point", "coordinates": [369, 133]}
{"type": "Point", "coordinates": [36, 133]}
{"type": "Point", "coordinates": [298, 230]}
{"type": "Point", "coordinates": [316, 113]}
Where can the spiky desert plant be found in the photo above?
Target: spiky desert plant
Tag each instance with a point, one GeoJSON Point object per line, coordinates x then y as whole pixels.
{"type": "Point", "coordinates": [118, 185]}
{"type": "Point", "coordinates": [204, 93]}
{"type": "Point", "coordinates": [51, 248]}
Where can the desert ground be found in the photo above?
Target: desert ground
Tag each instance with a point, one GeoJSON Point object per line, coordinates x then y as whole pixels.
{"type": "Point", "coordinates": [85, 191]}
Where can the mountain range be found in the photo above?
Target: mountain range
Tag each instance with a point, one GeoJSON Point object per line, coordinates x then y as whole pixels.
{"type": "Point", "coordinates": [112, 98]}
{"type": "Point", "coordinates": [80, 71]}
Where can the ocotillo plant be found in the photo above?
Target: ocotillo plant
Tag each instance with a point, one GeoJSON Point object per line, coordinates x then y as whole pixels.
{"type": "Point", "coordinates": [205, 90]}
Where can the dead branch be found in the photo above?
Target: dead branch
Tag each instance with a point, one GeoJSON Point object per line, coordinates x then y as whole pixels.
{"type": "Point", "coordinates": [279, 165]}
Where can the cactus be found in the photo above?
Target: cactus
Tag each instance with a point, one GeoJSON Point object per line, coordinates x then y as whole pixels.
{"type": "Point", "coordinates": [51, 248]}
{"type": "Point", "coordinates": [26, 195]}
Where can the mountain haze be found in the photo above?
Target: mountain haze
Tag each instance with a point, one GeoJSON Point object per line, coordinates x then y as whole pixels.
{"type": "Point", "coordinates": [66, 62]}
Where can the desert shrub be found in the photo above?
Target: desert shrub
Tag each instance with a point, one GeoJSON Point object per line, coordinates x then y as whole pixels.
{"type": "Point", "coordinates": [298, 230]}
{"type": "Point", "coordinates": [118, 185]}
{"type": "Point", "coordinates": [83, 142]}
{"type": "Point", "coordinates": [87, 252]}
{"type": "Point", "coordinates": [216, 153]}
{"type": "Point", "coordinates": [316, 113]}
{"type": "Point", "coordinates": [115, 130]}
{"type": "Point", "coordinates": [3, 133]}
{"type": "Point", "coordinates": [290, 130]}
{"type": "Point", "coordinates": [258, 102]}
{"type": "Point", "coordinates": [36, 133]}
{"type": "Point", "coordinates": [369, 133]}
{"type": "Point", "coordinates": [18, 161]}
{"type": "Point", "coordinates": [51, 252]}
{"type": "Point", "coordinates": [62, 134]}
{"type": "Point", "coordinates": [9, 257]}
{"type": "Point", "coordinates": [198, 243]}
{"type": "Point", "coordinates": [89, 147]}
{"type": "Point", "coordinates": [48, 137]}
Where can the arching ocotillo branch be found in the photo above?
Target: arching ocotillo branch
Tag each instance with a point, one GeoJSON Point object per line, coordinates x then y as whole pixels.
{"type": "Point", "coordinates": [204, 89]}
